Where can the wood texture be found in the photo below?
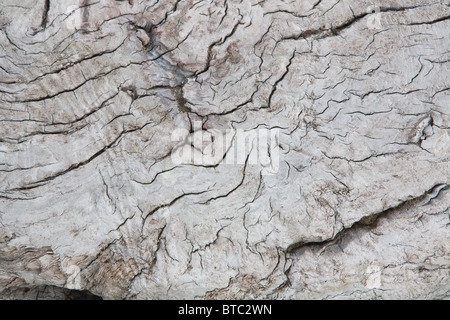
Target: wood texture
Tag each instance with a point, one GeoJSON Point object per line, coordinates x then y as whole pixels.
{"type": "Point", "coordinates": [91, 199]}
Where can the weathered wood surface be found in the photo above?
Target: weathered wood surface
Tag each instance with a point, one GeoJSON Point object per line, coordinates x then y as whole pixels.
{"type": "Point", "coordinates": [91, 198]}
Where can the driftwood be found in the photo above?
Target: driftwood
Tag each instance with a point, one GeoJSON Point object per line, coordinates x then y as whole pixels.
{"type": "Point", "coordinates": [224, 149]}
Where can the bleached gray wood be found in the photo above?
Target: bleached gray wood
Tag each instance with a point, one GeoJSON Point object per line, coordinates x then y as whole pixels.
{"type": "Point", "coordinates": [91, 199]}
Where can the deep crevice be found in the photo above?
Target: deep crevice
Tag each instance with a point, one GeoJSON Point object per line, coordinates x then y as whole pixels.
{"type": "Point", "coordinates": [45, 14]}
{"type": "Point", "coordinates": [48, 292]}
{"type": "Point", "coordinates": [368, 222]}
